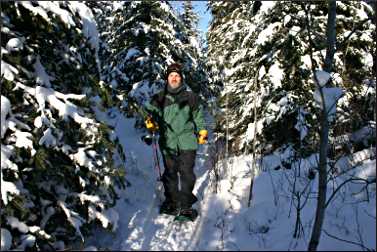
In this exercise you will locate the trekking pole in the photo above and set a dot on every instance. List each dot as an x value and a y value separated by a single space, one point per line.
155 155
156 158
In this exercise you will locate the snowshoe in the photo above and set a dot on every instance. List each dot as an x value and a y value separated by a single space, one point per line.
168 208
187 215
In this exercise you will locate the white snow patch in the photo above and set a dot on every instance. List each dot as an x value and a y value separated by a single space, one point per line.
323 77
35 10
331 96
5 111
368 171
91 198
337 78
82 159
286 20
15 44
16 224
90 248
7 187
88 23
367 60
253 129
6 152
65 108
276 74
108 217
39 231
23 139
294 30
300 125
306 61
262 72
42 78
28 241
82 182
361 14
165 7
48 139
38 122
8 71
131 53
6 239
74 218
117 5
54 7
267 33
266 6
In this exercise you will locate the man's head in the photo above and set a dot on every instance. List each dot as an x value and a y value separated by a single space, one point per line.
174 75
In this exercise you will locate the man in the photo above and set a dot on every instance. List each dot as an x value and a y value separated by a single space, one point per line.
179 117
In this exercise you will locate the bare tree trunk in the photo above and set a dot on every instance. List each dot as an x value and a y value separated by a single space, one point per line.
324 134
331 36
298 218
254 166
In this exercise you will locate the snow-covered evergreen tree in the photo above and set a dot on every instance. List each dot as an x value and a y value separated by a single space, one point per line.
267 69
102 11
269 93
57 169
143 40
144 37
223 42
190 19
107 15
218 43
195 67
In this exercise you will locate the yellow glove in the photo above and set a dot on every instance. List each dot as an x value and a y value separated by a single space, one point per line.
150 124
203 137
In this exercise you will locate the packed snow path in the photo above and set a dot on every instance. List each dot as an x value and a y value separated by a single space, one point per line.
225 222
140 225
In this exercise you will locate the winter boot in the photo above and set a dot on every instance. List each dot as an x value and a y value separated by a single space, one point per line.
168 208
189 214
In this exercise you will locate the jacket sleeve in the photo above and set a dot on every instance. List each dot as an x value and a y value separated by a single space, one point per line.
152 106
198 115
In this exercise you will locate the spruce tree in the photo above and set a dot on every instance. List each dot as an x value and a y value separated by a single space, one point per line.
58 174
147 36
221 45
195 66
190 19
268 63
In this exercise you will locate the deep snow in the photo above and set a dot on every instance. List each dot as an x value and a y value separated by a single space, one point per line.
225 222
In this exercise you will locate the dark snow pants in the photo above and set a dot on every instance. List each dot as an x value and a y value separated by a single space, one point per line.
179 178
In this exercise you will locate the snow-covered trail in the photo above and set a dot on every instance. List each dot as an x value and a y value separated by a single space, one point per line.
140 225
225 221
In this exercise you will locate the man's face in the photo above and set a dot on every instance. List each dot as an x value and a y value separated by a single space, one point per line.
174 80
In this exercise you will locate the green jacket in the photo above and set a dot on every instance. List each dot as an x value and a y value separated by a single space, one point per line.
179 117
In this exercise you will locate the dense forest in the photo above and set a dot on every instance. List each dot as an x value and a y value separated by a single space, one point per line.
285 83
